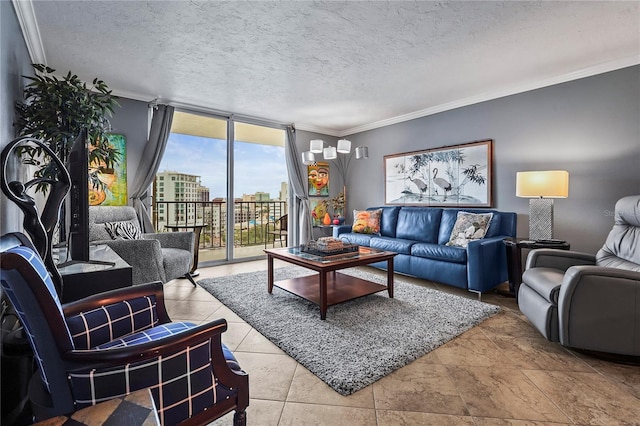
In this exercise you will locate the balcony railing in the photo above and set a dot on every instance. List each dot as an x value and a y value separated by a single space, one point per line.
249 224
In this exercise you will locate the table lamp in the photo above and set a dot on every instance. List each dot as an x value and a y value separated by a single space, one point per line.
542 187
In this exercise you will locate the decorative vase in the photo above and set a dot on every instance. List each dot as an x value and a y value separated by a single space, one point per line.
327 219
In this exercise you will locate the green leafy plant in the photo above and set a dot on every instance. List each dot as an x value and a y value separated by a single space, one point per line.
337 203
55 110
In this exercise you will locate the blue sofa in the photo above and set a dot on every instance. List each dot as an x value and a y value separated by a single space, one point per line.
419 236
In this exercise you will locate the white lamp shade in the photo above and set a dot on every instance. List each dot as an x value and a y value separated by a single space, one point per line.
344 146
545 184
316 145
362 152
308 158
330 153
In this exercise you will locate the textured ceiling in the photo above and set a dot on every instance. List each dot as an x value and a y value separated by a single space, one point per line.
333 67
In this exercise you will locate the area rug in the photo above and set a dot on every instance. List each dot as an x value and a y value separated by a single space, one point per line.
362 340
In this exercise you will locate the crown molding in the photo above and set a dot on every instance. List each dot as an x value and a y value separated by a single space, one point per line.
30 31
487 96
320 130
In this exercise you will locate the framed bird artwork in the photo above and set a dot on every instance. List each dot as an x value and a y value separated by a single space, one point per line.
457 175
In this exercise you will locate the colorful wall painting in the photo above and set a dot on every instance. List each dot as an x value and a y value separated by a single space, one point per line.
318 174
108 186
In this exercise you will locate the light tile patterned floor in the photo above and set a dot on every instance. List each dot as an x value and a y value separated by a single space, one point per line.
499 373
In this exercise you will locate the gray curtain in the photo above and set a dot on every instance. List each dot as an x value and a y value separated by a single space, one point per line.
150 161
300 210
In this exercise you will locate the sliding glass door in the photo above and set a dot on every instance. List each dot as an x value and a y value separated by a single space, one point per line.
226 180
260 188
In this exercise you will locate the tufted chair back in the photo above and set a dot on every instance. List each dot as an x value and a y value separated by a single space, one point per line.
622 247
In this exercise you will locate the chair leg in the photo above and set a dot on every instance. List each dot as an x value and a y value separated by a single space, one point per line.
240 418
190 278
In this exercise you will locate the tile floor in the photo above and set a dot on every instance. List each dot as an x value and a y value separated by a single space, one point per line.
501 372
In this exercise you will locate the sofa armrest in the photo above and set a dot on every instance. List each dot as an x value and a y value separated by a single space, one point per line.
486 263
558 259
341 229
144 257
178 240
599 309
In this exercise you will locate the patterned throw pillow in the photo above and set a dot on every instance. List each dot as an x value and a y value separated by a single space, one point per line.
366 221
469 227
124 230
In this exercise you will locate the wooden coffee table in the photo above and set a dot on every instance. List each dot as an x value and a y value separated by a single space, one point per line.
329 287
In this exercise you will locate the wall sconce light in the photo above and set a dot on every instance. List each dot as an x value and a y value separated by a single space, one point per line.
542 187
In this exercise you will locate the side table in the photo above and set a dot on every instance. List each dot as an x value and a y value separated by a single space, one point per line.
197 229
105 271
514 248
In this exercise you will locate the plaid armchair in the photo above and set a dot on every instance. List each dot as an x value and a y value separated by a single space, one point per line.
115 343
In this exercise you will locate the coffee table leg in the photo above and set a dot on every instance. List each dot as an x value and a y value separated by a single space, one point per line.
323 295
390 277
269 273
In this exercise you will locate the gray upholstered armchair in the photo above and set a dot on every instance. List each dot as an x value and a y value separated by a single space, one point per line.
153 257
589 302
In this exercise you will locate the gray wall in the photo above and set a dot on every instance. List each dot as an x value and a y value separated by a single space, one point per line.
14 62
590 127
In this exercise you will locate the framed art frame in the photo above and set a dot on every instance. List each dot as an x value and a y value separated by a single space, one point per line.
457 175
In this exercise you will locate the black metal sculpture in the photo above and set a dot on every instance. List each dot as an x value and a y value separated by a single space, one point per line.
39 227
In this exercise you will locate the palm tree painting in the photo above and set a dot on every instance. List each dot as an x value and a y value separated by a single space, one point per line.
457 175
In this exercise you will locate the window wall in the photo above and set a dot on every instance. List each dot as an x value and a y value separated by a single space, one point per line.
224 178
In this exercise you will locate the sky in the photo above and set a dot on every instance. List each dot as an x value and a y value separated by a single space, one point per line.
258 168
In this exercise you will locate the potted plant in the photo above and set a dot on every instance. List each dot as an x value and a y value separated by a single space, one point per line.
55 110
337 203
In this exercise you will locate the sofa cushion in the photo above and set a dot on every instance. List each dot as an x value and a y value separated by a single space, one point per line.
389 220
359 239
469 227
392 244
420 224
450 216
494 226
439 252
366 221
